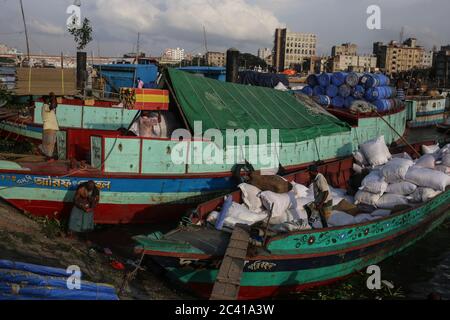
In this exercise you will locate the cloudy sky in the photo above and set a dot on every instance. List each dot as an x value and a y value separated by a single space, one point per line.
244 24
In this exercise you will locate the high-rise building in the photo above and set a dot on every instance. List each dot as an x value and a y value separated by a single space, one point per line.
263 53
427 61
291 48
174 54
395 57
347 49
441 65
215 59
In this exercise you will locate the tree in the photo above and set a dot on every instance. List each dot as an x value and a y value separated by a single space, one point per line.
82 35
250 61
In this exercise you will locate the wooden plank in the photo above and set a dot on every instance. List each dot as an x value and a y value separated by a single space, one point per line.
227 284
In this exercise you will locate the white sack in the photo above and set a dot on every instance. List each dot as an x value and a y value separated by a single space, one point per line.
381 213
376 152
446 159
360 159
423 195
300 190
238 214
443 169
428 178
396 169
367 198
430 149
281 203
403 188
390 201
362 218
403 155
250 197
426 161
374 183
339 218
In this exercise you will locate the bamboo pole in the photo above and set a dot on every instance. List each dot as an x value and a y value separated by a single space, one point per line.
396 132
62 73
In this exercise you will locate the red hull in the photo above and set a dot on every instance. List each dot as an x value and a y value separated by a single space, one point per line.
108 213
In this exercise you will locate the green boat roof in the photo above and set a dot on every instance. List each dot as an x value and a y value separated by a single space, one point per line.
223 105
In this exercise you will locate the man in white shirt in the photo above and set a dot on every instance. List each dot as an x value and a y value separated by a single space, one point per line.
323 201
50 126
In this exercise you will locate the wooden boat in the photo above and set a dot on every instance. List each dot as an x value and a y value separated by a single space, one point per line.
79 119
137 178
293 261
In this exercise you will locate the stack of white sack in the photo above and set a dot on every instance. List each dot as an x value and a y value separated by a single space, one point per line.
238 214
401 181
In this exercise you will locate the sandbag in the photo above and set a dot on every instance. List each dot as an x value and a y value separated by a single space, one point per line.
250 197
426 161
404 155
381 213
403 188
300 190
280 202
357 168
446 159
430 149
360 159
339 219
390 201
363 218
367 198
290 226
396 169
374 183
339 194
238 214
428 178
423 195
443 169
376 152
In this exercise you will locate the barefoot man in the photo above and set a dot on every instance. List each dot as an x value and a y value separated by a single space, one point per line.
82 215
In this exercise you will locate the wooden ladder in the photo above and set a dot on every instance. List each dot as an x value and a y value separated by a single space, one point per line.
228 281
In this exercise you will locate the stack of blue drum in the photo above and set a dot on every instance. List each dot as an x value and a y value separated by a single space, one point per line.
341 89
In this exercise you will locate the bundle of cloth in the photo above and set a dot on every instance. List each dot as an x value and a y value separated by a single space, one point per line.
396 182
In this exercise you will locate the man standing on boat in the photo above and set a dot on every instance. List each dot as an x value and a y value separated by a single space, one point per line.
50 126
82 216
322 206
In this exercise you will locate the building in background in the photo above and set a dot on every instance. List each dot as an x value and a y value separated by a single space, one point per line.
215 59
395 57
291 48
441 66
346 49
263 53
356 63
316 65
173 55
427 61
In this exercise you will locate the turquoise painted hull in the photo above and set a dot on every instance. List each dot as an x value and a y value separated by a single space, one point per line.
301 260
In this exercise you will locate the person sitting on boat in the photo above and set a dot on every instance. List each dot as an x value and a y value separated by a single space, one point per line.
322 206
82 216
50 126
147 126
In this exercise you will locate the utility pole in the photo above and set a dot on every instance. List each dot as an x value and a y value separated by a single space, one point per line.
204 36
26 30
138 48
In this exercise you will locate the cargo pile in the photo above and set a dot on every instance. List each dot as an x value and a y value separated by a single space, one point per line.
396 180
351 90
390 183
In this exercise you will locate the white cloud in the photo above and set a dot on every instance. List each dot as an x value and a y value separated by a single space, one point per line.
227 19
